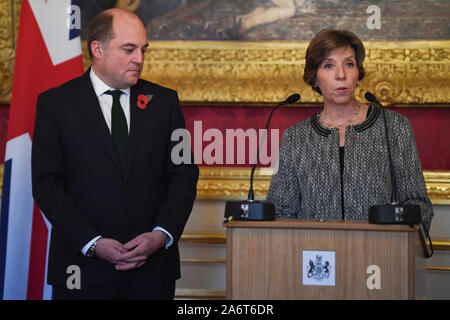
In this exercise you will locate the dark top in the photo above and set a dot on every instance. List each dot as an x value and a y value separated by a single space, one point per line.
341 163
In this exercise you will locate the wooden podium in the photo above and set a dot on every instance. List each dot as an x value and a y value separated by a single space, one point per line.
265 260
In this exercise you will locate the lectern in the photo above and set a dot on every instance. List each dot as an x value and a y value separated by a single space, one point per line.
305 259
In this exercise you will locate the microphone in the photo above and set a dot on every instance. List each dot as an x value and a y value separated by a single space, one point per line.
291 99
393 212
251 209
394 195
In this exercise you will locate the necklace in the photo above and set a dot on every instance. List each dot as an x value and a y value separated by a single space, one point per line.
349 120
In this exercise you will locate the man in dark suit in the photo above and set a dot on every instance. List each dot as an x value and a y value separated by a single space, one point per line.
103 175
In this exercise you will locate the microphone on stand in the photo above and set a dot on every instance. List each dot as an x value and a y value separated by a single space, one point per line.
394 195
393 212
250 209
291 99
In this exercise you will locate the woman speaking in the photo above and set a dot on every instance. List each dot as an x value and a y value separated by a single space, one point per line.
335 165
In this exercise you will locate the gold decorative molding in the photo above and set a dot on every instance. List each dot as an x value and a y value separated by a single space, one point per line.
204 237
232 183
440 244
204 294
401 73
227 183
9 22
433 268
438 186
203 260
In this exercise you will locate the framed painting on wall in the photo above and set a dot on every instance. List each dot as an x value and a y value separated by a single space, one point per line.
252 52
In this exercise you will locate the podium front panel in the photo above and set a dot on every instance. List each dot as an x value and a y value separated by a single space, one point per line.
267 261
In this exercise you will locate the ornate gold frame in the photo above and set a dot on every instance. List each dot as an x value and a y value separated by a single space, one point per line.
401 73
225 183
9 22
220 183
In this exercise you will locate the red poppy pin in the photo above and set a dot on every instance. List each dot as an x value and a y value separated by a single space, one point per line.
143 100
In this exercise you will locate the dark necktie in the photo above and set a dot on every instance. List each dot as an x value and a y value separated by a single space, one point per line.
119 127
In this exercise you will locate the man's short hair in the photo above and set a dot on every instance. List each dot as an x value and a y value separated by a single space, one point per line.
100 29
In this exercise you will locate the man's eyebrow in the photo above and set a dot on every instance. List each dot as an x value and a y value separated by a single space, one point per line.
129 44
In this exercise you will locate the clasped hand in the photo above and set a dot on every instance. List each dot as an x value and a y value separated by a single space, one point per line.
132 254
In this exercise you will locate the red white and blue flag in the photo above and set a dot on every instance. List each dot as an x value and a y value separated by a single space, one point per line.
48 54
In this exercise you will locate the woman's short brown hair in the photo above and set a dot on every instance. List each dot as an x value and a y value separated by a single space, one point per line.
320 47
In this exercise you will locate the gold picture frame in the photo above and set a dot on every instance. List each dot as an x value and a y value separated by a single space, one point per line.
400 73
232 183
225 183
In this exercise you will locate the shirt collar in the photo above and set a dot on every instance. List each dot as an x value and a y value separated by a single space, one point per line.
100 87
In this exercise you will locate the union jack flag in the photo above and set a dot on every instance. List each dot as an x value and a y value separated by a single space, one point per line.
48 53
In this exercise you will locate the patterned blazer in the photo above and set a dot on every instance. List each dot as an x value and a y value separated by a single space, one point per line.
307 182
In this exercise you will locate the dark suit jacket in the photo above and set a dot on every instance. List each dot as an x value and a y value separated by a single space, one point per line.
81 189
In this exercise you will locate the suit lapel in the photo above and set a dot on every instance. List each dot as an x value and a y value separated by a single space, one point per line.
137 116
91 108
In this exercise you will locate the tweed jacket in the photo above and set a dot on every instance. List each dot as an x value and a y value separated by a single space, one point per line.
307 181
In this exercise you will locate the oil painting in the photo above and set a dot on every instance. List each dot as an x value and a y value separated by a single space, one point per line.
285 20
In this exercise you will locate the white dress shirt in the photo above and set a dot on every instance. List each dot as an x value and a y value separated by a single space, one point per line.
106 101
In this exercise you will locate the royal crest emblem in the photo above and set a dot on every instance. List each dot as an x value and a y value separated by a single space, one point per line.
318 270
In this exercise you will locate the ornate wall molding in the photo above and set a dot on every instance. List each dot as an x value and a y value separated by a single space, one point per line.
401 73
225 183
228 183
9 22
